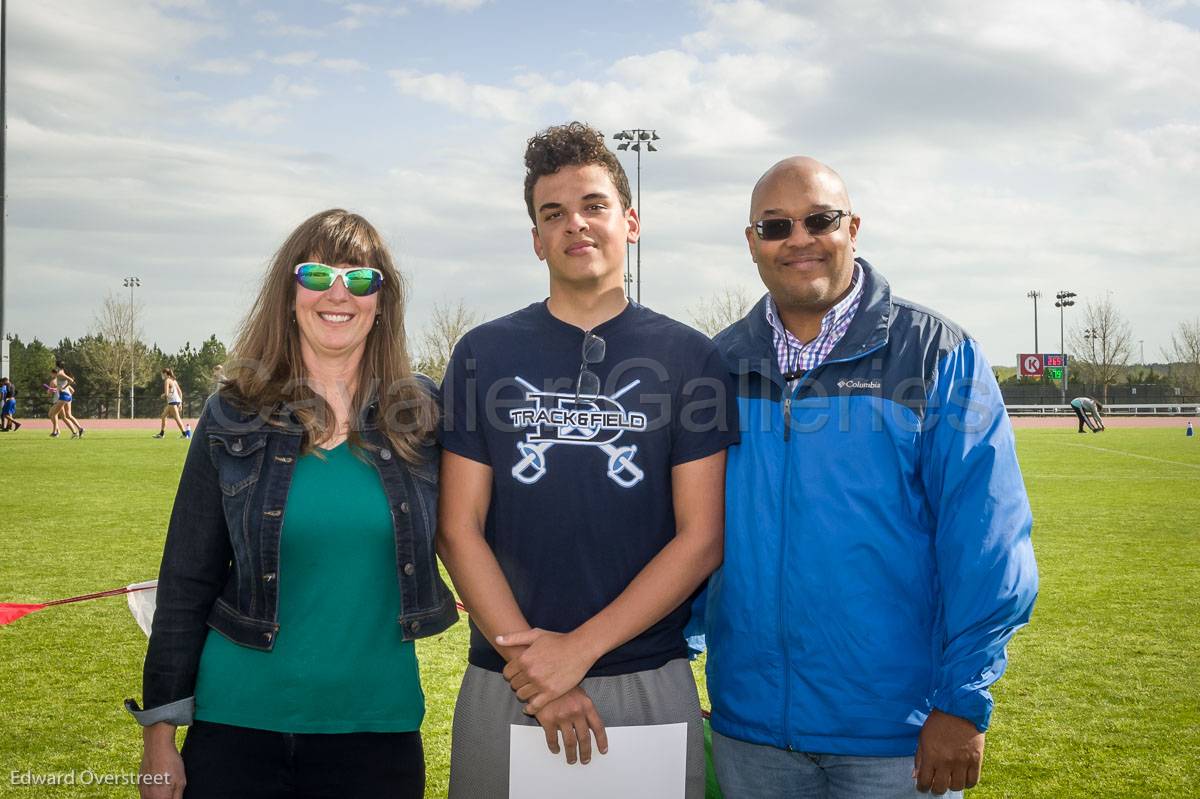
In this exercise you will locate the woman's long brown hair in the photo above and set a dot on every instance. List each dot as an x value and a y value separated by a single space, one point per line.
266 369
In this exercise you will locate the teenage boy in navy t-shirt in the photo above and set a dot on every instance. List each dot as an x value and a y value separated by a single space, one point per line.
582 488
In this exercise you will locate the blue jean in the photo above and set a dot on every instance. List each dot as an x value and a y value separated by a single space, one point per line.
755 771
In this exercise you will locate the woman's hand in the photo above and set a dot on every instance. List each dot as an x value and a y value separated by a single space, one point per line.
161 773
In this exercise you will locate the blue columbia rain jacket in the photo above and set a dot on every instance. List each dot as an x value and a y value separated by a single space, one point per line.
877 550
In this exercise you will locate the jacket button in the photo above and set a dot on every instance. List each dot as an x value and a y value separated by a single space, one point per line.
269 576
404 507
386 454
237 445
410 569
414 626
268 636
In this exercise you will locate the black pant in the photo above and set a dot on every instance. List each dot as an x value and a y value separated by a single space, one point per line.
225 762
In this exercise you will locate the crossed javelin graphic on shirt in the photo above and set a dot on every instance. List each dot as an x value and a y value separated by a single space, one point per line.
621 467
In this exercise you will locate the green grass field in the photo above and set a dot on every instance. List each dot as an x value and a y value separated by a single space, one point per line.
1100 698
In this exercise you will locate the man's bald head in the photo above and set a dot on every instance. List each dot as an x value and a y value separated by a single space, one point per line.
806 272
805 174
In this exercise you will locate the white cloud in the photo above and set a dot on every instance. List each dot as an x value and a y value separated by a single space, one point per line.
456 5
294 59
224 66
359 15
303 58
266 112
343 64
259 113
997 144
57 44
453 91
992 148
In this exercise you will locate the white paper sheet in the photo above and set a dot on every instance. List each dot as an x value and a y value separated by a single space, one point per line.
645 762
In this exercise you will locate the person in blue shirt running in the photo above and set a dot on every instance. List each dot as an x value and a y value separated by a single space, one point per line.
8 406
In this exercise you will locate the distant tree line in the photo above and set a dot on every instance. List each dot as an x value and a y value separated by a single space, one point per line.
102 376
104 361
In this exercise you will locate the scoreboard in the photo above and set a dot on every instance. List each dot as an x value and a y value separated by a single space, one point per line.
1048 365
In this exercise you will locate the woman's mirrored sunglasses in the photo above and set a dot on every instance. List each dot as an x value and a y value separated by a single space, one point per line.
817 224
360 281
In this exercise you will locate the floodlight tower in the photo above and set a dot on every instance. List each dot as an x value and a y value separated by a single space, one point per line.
633 139
1062 301
131 283
3 170
1034 295
1090 335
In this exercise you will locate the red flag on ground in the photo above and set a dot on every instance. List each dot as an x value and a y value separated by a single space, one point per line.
11 611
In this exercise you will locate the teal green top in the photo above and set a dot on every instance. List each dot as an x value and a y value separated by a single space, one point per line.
339 663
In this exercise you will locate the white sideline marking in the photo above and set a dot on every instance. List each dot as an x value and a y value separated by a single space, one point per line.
1133 455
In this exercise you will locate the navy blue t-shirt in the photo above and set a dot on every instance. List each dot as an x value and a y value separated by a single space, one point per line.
581 493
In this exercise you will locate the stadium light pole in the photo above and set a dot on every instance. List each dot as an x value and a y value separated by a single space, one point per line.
131 283
1090 335
634 139
1034 295
3 169
1063 301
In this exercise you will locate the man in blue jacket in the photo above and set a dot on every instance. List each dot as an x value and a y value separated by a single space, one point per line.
877 555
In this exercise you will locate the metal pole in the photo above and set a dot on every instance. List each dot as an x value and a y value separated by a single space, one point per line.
131 349
3 150
628 272
1035 330
131 283
639 241
1062 348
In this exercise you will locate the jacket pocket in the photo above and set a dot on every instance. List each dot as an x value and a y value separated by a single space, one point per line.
238 460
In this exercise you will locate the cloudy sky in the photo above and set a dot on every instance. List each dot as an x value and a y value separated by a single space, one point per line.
991 148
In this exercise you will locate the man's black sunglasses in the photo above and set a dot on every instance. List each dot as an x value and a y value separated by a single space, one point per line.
588 383
818 224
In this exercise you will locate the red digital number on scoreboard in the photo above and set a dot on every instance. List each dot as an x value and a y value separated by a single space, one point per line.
1052 360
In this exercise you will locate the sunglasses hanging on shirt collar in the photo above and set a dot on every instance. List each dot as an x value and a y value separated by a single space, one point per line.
588 384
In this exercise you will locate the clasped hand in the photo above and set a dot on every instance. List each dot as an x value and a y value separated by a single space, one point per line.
547 676
551 665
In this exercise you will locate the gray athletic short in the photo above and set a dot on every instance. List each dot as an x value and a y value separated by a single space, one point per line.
486 708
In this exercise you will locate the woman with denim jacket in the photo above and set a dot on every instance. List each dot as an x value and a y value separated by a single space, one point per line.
299 564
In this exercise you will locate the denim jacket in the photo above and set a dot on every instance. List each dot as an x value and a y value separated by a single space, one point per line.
220 565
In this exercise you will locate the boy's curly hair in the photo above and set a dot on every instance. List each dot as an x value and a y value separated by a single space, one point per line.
574 144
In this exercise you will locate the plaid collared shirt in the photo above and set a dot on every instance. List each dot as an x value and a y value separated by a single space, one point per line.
796 356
